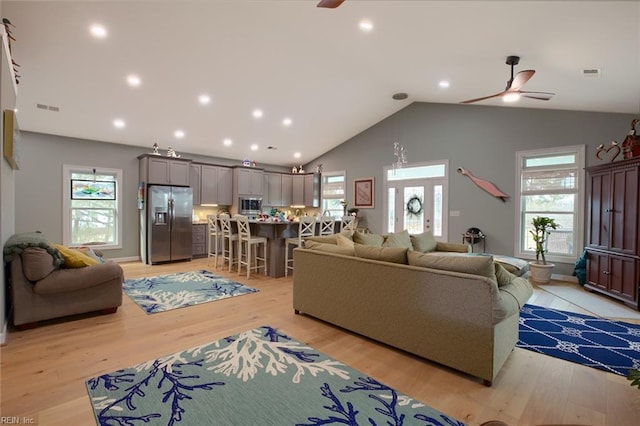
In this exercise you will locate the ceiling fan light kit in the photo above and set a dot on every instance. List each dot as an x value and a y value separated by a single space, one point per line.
512 92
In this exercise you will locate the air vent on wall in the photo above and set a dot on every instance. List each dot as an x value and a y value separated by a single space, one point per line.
48 107
591 72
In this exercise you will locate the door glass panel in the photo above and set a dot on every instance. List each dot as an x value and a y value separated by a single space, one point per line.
437 211
391 203
414 209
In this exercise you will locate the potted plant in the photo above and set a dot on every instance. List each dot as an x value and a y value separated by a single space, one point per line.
353 211
541 271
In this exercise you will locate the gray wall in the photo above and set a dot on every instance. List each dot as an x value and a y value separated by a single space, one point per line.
483 140
38 201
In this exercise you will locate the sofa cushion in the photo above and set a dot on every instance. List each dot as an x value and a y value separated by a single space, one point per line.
503 276
476 265
453 247
75 258
37 263
344 241
329 248
424 242
385 254
69 280
398 239
375 240
325 239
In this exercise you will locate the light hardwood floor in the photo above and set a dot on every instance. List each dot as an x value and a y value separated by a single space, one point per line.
43 370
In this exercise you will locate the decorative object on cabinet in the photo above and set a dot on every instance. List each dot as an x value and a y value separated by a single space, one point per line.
613 241
319 168
294 169
542 227
631 144
400 154
155 149
614 148
172 153
11 139
363 193
484 185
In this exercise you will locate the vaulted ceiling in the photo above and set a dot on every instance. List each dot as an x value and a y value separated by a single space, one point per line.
315 66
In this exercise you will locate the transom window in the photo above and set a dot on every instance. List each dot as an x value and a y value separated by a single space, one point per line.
551 184
92 206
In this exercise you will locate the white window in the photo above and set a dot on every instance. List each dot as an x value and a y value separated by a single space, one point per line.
551 184
92 207
333 192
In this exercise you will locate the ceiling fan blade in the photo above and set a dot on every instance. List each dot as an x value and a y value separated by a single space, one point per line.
470 101
521 78
543 96
330 4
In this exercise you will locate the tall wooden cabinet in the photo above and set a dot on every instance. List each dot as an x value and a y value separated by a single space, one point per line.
613 231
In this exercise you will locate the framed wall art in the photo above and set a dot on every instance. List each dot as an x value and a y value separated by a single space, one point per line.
363 191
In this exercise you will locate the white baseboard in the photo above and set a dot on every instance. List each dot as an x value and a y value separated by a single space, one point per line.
126 259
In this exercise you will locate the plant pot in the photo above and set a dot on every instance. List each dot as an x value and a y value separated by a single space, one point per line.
540 273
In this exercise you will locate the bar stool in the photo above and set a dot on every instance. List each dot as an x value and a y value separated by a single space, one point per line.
306 228
228 239
349 223
327 225
248 244
213 241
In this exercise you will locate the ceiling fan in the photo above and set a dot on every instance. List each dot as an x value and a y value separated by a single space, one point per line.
331 4
512 92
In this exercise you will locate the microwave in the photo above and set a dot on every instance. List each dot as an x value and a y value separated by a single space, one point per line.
250 206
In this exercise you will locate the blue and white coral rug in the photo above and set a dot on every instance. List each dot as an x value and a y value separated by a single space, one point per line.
612 346
172 291
259 377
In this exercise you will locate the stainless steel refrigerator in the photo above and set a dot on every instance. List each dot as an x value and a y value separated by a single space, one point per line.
169 224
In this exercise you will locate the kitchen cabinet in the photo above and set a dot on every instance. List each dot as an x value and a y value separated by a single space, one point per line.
216 185
613 255
306 190
195 176
248 181
272 195
199 240
298 190
287 190
158 170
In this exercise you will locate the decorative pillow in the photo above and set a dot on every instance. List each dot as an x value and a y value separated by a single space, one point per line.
344 241
375 240
503 276
385 254
37 263
74 258
476 265
398 239
329 248
424 242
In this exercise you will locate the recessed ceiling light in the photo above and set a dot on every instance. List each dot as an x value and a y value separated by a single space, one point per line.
366 26
227 142
179 134
98 31
257 113
133 80
254 147
444 84
511 97
119 123
297 155
287 122
204 99
400 96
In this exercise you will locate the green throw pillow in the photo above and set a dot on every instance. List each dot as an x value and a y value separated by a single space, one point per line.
424 242
398 239
385 254
368 239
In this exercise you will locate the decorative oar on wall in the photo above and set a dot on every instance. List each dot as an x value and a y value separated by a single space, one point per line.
485 185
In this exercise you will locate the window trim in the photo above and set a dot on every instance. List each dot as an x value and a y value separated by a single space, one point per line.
67 169
579 151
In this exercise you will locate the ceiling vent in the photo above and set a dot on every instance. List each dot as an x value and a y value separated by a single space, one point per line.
591 72
48 107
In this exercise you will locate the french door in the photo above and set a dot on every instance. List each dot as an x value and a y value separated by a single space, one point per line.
417 205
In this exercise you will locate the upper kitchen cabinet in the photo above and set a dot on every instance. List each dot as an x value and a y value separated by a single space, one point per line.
248 181
216 185
272 195
195 176
158 170
306 190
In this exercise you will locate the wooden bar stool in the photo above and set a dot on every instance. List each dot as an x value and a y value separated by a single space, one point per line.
327 225
248 247
306 228
213 240
229 238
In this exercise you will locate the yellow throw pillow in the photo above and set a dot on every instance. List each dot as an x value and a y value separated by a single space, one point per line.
74 258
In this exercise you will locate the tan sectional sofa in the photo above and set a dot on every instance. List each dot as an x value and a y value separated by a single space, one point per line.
453 310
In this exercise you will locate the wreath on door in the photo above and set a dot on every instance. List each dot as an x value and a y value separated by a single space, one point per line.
414 206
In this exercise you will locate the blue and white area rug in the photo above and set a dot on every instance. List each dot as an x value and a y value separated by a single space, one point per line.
172 291
259 377
612 346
